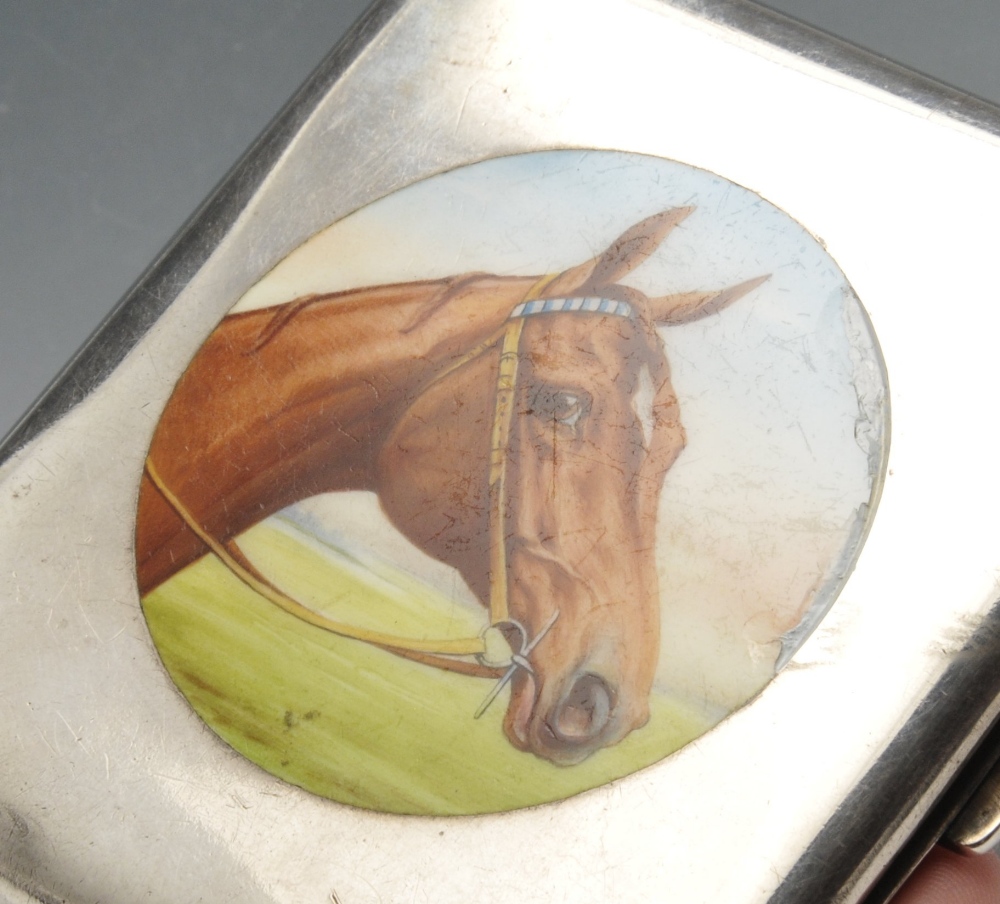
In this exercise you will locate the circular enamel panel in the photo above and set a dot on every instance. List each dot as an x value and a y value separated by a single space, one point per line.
511 483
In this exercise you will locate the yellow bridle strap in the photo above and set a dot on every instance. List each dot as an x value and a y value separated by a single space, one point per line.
451 646
502 416
429 652
503 413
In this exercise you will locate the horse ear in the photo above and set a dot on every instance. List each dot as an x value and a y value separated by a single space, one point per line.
634 245
622 256
687 307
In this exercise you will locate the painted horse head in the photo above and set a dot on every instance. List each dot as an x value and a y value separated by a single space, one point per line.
594 428
394 389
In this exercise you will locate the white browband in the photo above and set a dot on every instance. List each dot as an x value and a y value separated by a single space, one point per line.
592 305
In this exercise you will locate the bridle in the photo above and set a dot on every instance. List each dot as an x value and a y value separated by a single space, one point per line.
490 654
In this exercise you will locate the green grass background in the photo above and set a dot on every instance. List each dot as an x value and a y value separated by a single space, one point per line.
349 721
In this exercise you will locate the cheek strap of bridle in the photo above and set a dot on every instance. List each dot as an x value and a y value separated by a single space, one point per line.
503 414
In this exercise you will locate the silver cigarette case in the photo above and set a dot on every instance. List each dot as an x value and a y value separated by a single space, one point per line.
556 465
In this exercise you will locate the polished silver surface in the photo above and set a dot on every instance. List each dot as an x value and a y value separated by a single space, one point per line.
114 791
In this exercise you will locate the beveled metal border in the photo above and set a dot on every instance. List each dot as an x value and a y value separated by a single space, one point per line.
839 55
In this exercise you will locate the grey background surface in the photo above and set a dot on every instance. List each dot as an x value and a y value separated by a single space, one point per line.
117 118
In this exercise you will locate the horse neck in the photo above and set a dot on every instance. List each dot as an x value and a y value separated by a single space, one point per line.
284 403
361 358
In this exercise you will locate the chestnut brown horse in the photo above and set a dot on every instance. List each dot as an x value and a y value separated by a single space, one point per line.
377 389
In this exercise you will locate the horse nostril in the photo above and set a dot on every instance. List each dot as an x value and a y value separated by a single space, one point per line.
584 712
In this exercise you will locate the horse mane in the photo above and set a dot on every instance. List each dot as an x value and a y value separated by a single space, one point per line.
285 313
453 286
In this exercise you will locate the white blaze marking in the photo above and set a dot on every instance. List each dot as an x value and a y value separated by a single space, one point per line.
642 404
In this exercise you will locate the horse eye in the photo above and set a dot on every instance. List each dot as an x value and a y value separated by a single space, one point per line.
560 405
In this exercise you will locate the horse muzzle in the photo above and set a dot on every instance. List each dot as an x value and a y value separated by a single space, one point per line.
582 719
